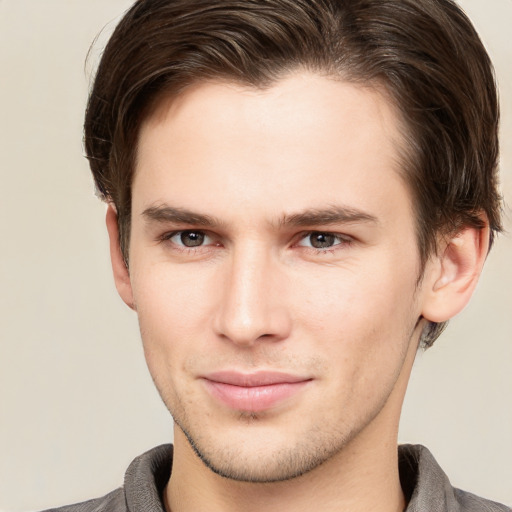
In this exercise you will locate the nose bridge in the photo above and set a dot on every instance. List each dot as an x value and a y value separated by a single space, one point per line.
250 308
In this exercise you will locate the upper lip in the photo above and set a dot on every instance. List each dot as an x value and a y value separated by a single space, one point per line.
261 378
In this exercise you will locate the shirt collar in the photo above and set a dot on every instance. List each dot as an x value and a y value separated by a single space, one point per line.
425 485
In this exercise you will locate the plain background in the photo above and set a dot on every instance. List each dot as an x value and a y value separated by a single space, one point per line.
76 401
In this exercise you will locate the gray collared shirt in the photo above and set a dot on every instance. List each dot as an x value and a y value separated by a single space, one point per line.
425 485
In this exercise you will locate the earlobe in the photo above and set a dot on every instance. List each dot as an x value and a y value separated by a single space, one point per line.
454 273
121 273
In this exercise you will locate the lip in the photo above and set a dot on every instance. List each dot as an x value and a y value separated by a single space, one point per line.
254 392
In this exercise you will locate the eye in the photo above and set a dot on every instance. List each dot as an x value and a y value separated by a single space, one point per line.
189 238
321 240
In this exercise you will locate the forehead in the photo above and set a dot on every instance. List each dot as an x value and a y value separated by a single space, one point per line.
305 141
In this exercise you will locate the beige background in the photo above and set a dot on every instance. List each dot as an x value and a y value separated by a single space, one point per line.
76 401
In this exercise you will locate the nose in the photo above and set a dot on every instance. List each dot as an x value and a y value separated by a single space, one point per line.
252 305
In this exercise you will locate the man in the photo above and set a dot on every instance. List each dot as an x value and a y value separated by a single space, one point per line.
300 193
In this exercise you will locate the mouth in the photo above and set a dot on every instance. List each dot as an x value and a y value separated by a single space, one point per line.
253 392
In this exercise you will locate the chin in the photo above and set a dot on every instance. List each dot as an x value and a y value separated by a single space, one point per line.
264 460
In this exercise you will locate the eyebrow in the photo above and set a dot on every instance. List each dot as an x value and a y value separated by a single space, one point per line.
309 217
165 213
330 215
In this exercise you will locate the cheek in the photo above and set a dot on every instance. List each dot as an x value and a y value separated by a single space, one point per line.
167 295
345 298
363 320
173 308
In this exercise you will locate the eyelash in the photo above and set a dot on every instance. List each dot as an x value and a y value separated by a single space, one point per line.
166 238
343 241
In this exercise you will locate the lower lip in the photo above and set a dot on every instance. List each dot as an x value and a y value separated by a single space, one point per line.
256 398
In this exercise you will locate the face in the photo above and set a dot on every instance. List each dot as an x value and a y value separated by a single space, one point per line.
274 269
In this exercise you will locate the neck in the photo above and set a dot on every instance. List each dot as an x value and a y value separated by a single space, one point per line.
356 479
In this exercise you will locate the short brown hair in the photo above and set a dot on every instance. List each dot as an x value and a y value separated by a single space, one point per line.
424 53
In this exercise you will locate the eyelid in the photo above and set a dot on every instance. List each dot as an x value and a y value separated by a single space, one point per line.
342 239
169 235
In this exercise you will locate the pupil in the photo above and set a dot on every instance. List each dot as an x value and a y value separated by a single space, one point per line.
321 240
192 238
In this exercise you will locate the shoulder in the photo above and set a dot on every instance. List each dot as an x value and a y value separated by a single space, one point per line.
144 481
113 502
471 503
427 488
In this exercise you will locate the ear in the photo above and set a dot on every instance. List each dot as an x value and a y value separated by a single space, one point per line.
121 273
454 273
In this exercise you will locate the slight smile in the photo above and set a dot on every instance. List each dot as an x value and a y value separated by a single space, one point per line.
254 392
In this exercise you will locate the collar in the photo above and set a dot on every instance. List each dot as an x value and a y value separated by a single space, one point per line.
425 485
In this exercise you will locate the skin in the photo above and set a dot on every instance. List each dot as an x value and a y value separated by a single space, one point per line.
249 175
